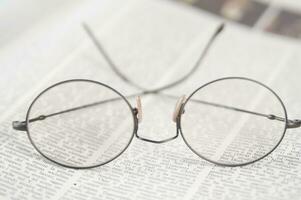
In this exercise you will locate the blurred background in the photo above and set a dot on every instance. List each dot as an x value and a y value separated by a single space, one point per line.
281 17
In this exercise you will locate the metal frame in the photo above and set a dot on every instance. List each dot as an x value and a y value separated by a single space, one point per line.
22 125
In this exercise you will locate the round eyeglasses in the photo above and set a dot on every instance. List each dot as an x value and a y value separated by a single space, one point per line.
231 121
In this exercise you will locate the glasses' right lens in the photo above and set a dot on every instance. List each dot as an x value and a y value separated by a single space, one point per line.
226 121
86 123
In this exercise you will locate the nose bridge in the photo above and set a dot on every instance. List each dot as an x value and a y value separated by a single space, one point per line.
139 120
157 141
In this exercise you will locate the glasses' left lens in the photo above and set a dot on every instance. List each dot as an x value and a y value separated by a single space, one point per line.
233 121
80 123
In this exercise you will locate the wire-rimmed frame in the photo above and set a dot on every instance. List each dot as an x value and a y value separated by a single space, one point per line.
135 123
238 164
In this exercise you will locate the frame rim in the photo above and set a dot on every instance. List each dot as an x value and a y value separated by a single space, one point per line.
243 163
135 123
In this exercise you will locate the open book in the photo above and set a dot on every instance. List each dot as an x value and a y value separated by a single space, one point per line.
148 40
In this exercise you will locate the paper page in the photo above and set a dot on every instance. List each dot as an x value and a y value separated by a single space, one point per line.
164 50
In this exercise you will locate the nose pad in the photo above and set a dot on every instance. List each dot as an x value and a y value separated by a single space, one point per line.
139 108
178 108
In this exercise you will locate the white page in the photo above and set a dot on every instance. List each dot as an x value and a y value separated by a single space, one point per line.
145 170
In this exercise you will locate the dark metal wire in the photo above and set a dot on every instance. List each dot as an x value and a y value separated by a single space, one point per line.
134 114
22 125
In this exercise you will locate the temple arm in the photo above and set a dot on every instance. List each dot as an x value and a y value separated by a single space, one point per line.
21 125
115 68
290 123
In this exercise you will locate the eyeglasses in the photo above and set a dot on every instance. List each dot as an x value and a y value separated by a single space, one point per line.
81 123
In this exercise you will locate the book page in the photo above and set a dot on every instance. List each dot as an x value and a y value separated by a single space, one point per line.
152 43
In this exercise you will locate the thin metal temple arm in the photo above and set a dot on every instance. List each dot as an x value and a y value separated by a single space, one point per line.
21 125
296 123
123 77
